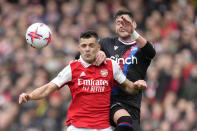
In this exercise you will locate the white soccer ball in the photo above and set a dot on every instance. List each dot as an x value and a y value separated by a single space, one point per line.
38 35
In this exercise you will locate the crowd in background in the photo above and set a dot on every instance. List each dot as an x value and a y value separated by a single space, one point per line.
170 101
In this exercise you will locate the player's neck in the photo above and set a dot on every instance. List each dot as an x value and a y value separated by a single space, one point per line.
89 61
125 40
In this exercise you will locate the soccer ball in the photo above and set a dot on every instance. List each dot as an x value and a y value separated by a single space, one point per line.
38 35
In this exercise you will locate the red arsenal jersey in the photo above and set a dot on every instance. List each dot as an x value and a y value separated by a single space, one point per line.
90 87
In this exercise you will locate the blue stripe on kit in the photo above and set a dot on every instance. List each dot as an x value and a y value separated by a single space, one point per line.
125 67
132 53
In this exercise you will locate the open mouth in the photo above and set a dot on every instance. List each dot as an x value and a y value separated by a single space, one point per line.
122 30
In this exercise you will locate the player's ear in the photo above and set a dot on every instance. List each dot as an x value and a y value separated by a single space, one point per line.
78 47
134 24
99 46
79 44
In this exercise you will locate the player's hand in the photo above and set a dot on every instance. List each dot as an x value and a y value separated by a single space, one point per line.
140 84
128 25
100 58
23 98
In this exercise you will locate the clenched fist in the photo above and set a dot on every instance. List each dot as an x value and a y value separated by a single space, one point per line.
23 98
140 84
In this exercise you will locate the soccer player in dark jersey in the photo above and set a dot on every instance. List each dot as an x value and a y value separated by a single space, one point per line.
90 87
134 54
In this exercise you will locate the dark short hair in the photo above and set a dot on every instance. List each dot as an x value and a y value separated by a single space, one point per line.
123 12
89 34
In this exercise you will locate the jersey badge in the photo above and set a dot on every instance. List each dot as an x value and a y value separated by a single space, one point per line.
104 72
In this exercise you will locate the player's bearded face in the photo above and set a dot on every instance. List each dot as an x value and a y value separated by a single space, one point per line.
88 49
120 31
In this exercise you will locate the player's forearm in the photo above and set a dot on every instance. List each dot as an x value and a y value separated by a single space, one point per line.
131 90
145 45
43 91
140 40
128 87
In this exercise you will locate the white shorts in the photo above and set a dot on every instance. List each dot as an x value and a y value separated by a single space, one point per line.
73 128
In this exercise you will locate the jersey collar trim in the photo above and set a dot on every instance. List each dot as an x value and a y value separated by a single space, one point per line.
85 64
127 42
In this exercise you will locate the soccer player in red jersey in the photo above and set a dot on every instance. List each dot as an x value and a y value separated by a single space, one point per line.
90 87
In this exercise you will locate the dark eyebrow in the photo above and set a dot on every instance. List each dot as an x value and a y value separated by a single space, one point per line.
92 43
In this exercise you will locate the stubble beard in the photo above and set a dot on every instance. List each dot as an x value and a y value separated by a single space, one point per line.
125 37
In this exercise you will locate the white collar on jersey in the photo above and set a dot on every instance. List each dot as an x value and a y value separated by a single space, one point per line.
85 64
127 42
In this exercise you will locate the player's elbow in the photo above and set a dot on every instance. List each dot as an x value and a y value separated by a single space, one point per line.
152 54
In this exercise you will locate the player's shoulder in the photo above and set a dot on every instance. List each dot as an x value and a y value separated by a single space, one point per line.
107 40
75 62
75 65
108 59
113 62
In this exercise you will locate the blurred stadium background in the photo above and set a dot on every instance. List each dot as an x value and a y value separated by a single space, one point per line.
169 103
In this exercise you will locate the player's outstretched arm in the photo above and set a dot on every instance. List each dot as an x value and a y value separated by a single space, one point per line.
38 93
133 88
145 45
130 27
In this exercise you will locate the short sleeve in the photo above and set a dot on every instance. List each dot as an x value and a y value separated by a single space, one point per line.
63 77
117 73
